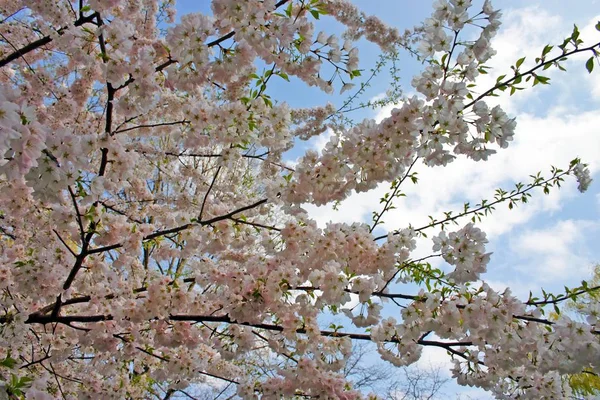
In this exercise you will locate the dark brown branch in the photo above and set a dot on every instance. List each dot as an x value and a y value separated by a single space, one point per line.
377 294
62 393
168 394
78 213
529 72
110 90
392 196
231 214
562 298
189 396
8 234
516 193
181 227
152 354
86 239
34 362
45 319
41 42
212 183
221 39
57 305
213 155
160 233
11 15
78 261
42 318
256 224
533 319
64 243
413 262
171 61
151 126
120 212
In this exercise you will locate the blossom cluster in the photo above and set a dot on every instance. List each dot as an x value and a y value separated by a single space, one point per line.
433 129
464 249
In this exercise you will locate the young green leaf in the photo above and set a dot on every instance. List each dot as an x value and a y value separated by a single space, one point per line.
589 65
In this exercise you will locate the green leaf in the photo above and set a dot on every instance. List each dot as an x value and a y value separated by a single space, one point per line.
575 34
315 13
589 65
86 8
17 385
541 79
322 8
520 62
267 101
444 57
284 76
8 362
546 50
598 26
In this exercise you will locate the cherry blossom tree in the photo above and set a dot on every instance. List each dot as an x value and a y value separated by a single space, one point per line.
415 382
153 236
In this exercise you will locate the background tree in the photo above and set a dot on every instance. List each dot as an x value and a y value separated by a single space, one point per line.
406 383
586 383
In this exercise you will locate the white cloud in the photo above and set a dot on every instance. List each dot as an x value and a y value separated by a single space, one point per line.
318 142
558 252
518 286
435 357
524 33
540 143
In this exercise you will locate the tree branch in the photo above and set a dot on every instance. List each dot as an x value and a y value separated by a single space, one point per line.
41 42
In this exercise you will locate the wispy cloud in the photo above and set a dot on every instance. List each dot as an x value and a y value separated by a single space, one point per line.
557 252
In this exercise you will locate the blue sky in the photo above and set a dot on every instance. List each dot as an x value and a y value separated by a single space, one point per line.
552 241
